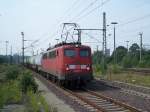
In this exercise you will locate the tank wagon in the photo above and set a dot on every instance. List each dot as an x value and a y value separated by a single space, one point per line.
67 63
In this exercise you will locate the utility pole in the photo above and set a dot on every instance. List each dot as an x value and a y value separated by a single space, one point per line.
0 48
104 40
11 58
141 44
18 56
97 47
115 60
6 51
127 45
6 47
37 52
22 33
104 34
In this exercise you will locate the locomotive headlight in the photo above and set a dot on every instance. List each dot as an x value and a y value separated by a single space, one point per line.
67 67
88 67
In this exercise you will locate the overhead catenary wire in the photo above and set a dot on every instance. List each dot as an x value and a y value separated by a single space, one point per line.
55 33
134 30
91 11
75 2
69 11
83 10
92 37
66 12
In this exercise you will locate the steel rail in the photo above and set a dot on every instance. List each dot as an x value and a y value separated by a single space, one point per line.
132 109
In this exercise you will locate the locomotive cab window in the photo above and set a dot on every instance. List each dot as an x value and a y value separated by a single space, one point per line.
69 52
45 56
84 53
52 54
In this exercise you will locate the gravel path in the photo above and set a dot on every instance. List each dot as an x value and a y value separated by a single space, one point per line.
52 99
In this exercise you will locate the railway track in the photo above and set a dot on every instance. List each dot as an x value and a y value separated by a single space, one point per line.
92 101
144 71
127 88
96 102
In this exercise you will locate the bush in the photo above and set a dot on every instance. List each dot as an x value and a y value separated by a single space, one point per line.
12 72
142 64
126 62
10 93
97 68
28 83
115 69
100 69
103 68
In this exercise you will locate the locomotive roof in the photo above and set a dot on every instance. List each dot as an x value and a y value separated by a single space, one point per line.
62 46
66 45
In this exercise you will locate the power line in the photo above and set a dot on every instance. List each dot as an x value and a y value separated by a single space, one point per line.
86 14
91 37
134 30
55 33
69 10
83 10
91 4
71 7
135 20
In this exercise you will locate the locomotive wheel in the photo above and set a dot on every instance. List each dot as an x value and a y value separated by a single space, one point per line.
59 82
53 79
65 84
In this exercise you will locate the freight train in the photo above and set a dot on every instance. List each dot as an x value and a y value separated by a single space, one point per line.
67 63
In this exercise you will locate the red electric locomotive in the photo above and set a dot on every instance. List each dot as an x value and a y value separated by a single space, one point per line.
68 62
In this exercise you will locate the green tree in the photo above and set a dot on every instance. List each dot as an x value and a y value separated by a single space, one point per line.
126 62
134 50
121 52
97 57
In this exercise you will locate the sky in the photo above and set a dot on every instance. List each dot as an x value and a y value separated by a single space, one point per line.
41 21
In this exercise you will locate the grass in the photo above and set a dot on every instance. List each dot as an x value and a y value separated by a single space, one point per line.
138 79
132 78
36 103
129 77
10 93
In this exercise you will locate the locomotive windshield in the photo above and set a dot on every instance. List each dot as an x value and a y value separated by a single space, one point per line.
84 53
70 53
